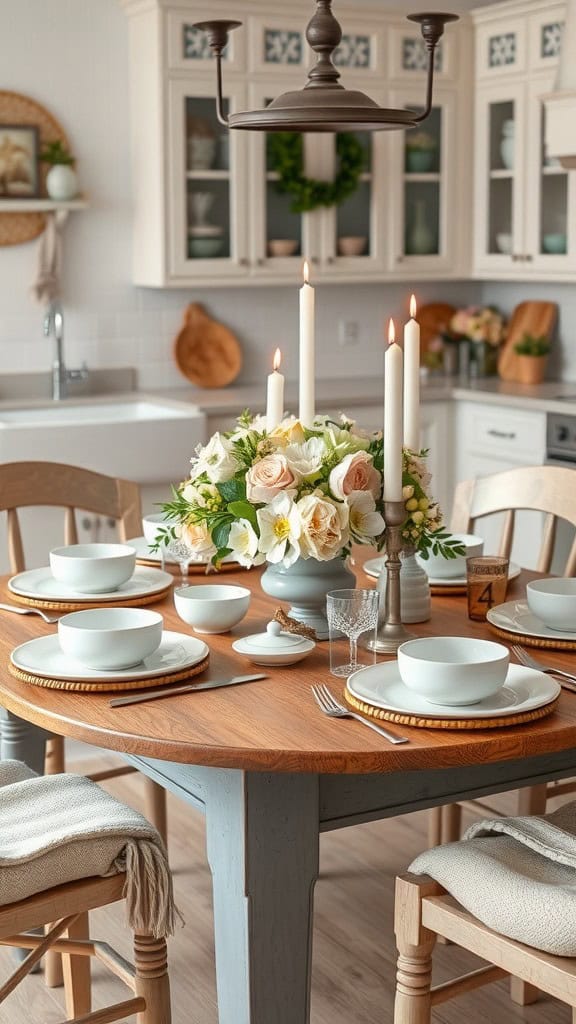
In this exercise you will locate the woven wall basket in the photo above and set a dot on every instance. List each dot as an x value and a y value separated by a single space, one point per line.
15 108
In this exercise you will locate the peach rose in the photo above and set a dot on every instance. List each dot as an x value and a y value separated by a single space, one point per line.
266 478
355 473
199 539
324 527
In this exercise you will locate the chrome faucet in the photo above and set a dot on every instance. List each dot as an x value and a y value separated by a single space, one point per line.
54 324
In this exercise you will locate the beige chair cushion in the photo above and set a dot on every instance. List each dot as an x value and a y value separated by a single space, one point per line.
517 876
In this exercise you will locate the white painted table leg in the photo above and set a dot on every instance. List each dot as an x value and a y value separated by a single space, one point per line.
262 842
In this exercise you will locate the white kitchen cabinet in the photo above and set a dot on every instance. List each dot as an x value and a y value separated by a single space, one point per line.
491 439
209 219
525 209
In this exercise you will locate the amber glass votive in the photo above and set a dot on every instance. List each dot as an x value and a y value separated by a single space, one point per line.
486 583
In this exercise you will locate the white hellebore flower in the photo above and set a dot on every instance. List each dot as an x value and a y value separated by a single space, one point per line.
365 522
216 459
324 527
280 530
306 459
243 540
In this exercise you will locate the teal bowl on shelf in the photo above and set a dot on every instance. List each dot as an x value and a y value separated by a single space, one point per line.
419 161
205 248
554 243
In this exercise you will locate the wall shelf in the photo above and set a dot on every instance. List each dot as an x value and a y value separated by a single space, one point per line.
41 205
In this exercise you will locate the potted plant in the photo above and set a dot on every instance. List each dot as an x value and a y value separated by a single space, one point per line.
421 150
532 351
61 180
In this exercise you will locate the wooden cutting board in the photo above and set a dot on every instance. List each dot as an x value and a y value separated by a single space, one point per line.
206 352
535 318
433 318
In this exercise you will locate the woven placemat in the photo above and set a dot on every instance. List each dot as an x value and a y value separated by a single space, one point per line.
16 108
193 569
107 685
80 606
533 641
449 723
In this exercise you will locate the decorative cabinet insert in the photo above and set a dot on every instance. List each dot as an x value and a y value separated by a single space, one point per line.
525 203
207 207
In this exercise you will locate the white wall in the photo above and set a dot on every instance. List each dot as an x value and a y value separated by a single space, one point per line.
71 55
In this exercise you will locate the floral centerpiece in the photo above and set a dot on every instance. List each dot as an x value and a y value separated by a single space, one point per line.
296 493
483 328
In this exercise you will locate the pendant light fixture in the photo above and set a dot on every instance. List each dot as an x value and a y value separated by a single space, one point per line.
323 105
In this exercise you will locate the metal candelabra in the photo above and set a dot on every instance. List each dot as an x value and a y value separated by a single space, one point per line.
390 632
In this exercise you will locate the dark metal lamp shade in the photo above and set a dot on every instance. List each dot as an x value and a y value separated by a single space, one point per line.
323 105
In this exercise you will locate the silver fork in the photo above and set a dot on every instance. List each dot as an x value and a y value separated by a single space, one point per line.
529 662
331 707
29 611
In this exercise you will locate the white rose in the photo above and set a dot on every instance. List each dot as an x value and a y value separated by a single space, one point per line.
324 527
355 473
280 529
216 459
243 540
306 459
268 477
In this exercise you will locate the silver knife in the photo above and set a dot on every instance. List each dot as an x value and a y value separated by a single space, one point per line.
169 691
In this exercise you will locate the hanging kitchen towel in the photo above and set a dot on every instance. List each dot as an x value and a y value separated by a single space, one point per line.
516 875
59 828
46 287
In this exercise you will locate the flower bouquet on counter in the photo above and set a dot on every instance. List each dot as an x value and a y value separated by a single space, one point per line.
295 492
483 329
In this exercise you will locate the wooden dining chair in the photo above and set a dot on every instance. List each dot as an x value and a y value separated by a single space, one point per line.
28 484
546 489
424 913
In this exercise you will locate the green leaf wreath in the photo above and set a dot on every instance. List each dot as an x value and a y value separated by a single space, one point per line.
286 151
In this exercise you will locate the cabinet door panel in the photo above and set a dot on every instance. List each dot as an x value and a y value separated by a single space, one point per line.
206 202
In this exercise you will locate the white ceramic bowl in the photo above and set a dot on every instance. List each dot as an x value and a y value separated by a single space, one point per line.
351 245
212 608
151 525
93 568
110 639
453 670
554 603
439 568
504 243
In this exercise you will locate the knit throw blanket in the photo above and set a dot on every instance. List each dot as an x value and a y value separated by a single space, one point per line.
516 875
60 828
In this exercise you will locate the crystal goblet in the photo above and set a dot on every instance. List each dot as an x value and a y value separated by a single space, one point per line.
352 613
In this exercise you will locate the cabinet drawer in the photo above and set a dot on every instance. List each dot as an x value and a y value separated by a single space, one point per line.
513 434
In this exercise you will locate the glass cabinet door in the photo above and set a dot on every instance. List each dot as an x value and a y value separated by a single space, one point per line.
281 238
550 217
206 182
500 155
427 171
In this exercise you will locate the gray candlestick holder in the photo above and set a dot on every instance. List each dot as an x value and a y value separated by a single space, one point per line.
390 631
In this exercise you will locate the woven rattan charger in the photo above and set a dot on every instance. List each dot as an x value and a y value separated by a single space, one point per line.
80 606
551 644
104 685
448 723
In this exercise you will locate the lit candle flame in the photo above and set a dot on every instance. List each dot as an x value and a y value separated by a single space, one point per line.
306 272
277 359
413 307
391 332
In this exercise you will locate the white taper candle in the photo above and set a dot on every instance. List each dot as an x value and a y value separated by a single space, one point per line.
275 395
412 380
393 365
307 357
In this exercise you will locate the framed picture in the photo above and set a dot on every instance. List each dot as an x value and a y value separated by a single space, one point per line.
19 161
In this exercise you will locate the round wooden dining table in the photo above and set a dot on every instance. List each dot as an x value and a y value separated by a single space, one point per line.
271 773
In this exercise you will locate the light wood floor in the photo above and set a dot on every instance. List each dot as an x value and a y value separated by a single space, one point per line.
354 953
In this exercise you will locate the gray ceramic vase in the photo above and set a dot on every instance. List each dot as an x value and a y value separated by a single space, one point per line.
304 586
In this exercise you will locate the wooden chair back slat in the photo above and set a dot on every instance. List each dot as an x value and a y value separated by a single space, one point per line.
547 489
26 484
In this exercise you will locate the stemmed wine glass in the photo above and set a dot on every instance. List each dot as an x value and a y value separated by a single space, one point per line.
182 553
351 612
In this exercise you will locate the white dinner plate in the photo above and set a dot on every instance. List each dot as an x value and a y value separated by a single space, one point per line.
144 551
373 566
44 657
40 584
524 690
516 617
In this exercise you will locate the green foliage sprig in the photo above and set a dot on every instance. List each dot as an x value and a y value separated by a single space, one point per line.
532 345
287 155
56 152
